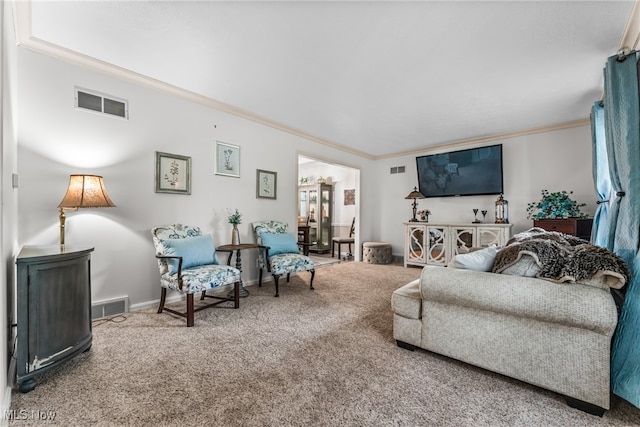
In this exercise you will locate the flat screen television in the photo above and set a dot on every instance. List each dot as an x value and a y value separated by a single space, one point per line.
475 171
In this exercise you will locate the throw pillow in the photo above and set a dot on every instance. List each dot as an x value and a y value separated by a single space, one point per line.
195 251
480 260
280 243
525 266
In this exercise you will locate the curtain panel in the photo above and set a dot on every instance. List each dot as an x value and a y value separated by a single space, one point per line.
622 125
601 179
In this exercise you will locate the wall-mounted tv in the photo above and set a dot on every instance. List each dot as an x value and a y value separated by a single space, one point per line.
475 171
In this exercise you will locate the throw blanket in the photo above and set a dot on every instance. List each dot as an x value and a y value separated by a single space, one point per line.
561 258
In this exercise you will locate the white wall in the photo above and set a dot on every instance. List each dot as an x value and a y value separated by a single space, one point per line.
56 140
9 213
556 161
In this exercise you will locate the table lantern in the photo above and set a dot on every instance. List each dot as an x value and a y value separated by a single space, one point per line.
502 211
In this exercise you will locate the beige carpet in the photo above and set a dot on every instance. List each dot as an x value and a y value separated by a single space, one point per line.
309 358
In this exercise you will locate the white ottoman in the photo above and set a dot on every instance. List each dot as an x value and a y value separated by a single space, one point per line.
377 253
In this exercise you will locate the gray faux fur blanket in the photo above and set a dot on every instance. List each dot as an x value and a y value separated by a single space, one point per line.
562 258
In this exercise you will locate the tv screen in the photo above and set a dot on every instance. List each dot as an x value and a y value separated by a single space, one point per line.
475 171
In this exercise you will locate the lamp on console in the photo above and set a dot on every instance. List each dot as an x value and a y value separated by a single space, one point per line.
415 194
85 191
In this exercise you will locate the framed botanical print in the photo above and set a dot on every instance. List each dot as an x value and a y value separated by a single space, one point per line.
173 173
266 184
227 161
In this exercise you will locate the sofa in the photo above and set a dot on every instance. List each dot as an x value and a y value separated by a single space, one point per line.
555 334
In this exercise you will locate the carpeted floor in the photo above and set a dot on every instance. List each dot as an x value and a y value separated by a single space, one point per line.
308 358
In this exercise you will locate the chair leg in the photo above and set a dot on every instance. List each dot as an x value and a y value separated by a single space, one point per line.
203 295
260 279
236 295
190 310
163 297
333 249
313 273
275 280
288 277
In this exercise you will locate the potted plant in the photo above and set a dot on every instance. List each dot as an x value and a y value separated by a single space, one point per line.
558 205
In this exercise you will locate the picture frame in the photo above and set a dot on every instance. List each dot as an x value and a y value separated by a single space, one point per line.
173 173
266 184
227 159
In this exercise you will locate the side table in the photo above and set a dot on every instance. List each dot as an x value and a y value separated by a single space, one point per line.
238 248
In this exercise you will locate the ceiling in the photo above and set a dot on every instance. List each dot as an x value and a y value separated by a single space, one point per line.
377 78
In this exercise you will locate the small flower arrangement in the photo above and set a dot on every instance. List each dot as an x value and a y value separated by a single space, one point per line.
235 218
555 205
423 215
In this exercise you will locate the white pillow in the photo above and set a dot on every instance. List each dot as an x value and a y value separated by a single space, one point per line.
480 260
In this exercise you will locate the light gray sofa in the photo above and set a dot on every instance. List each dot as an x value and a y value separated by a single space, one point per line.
553 335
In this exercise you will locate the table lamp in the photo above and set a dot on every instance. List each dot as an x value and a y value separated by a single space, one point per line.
85 191
415 194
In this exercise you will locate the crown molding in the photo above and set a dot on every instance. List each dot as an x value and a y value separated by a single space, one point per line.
631 35
491 138
25 39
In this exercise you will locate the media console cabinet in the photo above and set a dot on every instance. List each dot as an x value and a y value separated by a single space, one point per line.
435 244
53 310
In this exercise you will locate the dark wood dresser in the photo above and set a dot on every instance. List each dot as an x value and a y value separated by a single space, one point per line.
54 308
579 227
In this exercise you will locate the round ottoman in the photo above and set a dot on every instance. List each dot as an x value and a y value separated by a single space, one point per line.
377 253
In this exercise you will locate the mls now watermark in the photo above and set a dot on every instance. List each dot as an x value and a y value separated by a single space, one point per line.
23 414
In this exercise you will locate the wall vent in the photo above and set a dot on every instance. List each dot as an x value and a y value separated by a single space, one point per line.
101 103
110 307
397 169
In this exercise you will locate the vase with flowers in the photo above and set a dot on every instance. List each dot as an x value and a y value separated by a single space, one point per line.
423 215
235 218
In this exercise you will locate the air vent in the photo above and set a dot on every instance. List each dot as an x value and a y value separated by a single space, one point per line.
101 103
110 307
397 169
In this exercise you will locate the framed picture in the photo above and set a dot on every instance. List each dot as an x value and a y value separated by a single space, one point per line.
227 159
266 184
173 173
350 197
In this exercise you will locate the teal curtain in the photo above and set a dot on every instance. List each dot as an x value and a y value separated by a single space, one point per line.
601 179
622 127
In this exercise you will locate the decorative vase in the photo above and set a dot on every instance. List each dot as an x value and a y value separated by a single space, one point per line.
235 235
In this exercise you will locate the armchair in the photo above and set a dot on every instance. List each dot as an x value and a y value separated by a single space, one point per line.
188 263
278 252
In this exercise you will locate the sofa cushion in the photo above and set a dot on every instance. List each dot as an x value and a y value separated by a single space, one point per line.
407 301
480 260
542 300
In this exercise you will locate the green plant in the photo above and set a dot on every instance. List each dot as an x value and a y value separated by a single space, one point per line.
555 205
234 217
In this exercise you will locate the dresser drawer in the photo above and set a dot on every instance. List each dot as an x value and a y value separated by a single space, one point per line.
579 227
560 225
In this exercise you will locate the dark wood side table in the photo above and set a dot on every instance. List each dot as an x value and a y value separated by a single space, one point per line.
238 249
54 308
579 227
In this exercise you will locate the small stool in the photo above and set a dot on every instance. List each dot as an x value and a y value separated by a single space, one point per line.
377 253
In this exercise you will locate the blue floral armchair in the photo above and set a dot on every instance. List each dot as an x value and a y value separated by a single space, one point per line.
279 253
189 264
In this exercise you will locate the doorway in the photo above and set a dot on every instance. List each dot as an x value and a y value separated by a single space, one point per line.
329 218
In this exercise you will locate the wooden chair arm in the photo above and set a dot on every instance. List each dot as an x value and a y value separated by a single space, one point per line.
179 258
